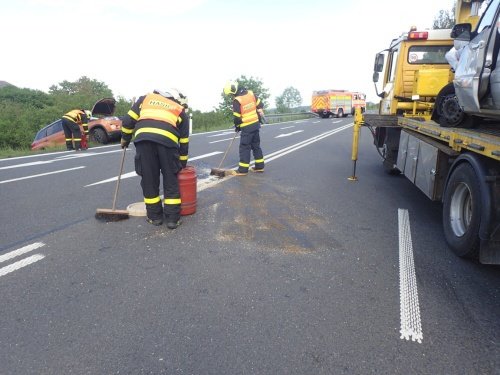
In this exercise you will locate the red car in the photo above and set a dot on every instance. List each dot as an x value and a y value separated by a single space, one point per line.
101 129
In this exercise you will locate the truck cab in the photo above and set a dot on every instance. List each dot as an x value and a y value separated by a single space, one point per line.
415 71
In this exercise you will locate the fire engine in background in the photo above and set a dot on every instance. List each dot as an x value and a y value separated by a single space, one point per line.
457 166
338 103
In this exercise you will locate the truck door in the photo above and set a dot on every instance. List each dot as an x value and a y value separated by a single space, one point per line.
476 60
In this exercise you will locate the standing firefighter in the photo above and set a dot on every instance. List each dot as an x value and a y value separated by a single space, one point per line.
71 122
160 127
246 112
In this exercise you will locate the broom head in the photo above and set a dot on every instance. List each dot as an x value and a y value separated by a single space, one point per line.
108 215
218 172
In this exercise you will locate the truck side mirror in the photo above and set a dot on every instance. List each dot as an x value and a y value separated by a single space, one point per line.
461 31
375 77
379 63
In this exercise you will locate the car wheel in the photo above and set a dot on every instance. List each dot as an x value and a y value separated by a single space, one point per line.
99 135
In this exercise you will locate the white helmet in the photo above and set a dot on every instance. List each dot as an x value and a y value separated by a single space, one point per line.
170 93
88 114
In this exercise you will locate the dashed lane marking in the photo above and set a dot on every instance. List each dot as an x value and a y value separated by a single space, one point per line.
23 262
21 251
40 175
20 264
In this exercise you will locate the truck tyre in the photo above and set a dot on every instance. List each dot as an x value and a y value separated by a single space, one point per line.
462 211
340 113
99 135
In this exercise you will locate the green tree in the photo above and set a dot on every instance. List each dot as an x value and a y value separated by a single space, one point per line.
445 19
250 83
80 94
290 99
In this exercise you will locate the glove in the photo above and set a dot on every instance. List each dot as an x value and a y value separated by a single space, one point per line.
124 143
237 129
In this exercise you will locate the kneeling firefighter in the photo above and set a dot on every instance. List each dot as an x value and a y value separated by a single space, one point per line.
71 122
160 127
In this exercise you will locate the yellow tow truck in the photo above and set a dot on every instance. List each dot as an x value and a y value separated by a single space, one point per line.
456 165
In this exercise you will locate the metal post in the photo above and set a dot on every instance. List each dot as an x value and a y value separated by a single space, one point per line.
190 123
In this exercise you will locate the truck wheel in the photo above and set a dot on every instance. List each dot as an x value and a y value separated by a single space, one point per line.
99 135
462 211
340 113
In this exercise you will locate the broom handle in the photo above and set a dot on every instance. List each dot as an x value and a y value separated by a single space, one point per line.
224 157
119 177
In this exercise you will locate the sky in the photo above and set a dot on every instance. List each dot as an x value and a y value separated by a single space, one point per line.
196 46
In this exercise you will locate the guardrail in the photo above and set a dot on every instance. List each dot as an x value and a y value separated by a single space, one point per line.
283 117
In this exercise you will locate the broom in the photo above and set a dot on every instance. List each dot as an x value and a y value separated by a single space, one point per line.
105 214
218 171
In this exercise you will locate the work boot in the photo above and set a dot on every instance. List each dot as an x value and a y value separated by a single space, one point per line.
253 169
173 224
155 222
238 173
173 221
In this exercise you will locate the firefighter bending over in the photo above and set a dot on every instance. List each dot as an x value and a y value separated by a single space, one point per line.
71 122
247 111
160 127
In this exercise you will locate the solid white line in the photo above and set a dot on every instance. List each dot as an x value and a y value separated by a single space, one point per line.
52 153
21 251
40 175
411 326
223 140
133 174
20 264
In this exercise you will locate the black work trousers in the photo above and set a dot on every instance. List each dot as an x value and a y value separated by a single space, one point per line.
152 158
250 142
72 133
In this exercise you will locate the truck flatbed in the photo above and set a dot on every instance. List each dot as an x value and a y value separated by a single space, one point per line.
484 140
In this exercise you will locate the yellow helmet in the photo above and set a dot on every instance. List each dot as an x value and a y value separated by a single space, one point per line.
231 88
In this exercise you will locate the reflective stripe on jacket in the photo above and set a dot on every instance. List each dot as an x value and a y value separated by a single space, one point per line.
75 115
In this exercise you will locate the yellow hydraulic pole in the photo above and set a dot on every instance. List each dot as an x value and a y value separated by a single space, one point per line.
358 123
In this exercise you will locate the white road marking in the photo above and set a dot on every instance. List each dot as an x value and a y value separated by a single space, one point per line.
20 264
133 174
218 135
223 140
298 122
297 146
41 174
411 326
27 164
289 134
315 122
336 122
85 154
287 127
21 251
